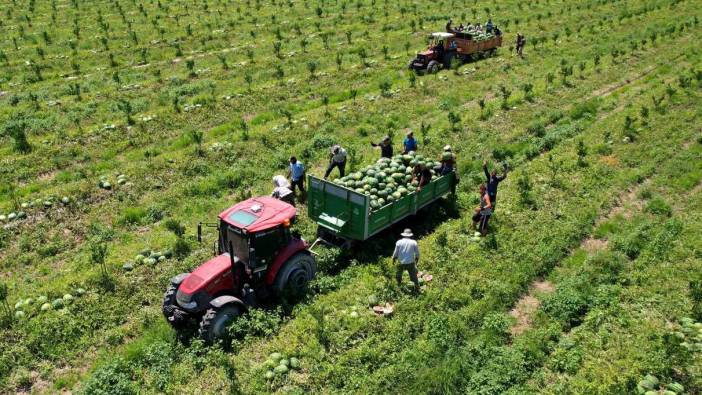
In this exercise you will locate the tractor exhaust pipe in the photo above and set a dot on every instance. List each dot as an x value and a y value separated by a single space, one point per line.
231 254
199 232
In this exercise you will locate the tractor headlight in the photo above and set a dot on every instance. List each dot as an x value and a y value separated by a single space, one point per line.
189 306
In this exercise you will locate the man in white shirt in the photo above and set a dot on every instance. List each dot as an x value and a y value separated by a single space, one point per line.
337 158
407 253
282 190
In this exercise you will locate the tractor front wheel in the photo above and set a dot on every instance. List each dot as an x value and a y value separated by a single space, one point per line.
433 67
215 323
295 275
169 305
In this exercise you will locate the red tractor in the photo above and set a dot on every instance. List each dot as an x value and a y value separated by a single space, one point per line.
448 47
256 254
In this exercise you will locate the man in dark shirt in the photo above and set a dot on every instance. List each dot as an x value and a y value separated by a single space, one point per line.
492 181
385 147
422 175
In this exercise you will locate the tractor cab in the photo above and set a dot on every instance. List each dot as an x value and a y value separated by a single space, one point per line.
255 252
431 58
254 230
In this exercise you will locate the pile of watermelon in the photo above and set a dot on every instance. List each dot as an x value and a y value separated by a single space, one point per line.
689 334
23 307
278 365
388 179
650 385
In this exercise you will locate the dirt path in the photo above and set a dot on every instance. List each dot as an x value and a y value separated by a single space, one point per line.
527 305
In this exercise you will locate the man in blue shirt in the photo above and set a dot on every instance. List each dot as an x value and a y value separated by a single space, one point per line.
489 26
409 144
296 173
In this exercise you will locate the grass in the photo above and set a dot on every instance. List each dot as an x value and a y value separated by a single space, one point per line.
158 104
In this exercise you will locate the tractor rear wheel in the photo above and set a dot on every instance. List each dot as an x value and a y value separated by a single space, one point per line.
295 275
215 323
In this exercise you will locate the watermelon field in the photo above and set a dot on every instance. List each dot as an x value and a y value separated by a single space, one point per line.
125 123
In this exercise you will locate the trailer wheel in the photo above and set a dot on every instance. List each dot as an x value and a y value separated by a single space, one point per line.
295 275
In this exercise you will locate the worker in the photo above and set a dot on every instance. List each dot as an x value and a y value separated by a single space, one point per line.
460 27
422 175
282 191
448 26
385 147
497 31
337 158
492 181
448 165
489 26
409 144
521 41
484 211
296 173
407 253
448 161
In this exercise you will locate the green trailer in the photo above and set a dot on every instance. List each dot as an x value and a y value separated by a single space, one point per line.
346 214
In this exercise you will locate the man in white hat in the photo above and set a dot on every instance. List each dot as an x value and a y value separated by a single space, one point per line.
282 190
407 253
337 158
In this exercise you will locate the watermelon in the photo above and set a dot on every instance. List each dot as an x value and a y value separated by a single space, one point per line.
270 364
80 291
21 215
57 303
29 301
396 195
675 387
46 307
285 362
294 363
42 299
162 258
11 217
374 204
281 369
3 218
149 261
67 298
372 300
139 259
19 314
269 375
276 357
381 202
65 200
128 266
649 382
19 305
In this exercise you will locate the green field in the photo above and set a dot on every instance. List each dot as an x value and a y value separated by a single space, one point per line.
583 286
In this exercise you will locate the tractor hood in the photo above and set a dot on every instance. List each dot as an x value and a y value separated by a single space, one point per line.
208 276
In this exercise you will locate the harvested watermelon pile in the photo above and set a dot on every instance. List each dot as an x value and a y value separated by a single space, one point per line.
388 179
